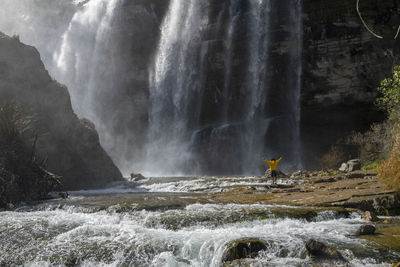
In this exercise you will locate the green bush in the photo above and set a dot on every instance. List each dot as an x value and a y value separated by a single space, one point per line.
373 166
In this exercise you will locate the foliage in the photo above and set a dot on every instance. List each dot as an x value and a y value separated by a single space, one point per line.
332 159
372 166
389 99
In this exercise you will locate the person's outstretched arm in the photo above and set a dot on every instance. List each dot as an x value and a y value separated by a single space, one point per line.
279 159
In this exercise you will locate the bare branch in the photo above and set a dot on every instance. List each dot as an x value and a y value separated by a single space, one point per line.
397 34
365 24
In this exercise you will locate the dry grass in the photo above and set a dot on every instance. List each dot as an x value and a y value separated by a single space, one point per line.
389 171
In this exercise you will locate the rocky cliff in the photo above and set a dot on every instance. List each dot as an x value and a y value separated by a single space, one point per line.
69 145
342 66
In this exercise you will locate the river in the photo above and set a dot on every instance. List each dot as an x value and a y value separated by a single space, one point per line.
162 222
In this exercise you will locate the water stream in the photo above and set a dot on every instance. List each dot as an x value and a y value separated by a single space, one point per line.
71 233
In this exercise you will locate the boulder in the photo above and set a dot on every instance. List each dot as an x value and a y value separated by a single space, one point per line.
351 165
369 216
367 229
320 251
243 248
136 177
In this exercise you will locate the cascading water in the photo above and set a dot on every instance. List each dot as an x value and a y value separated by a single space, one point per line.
208 105
174 83
80 60
179 138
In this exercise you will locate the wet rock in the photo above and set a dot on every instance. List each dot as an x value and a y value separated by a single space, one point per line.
369 216
300 174
351 165
136 177
320 251
387 205
367 229
280 174
243 248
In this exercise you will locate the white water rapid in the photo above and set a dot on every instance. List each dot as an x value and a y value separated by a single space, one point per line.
194 236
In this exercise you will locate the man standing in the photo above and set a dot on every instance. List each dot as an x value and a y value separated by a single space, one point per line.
273 166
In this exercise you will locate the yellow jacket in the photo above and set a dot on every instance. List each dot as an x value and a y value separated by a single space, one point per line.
273 164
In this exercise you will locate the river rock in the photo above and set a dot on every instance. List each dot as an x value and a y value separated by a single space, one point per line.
320 251
367 229
351 165
136 177
243 248
369 216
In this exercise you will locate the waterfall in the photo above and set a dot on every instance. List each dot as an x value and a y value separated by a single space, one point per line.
228 43
256 126
174 84
296 56
81 61
214 96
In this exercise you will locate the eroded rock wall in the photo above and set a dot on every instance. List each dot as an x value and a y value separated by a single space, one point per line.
342 66
69 145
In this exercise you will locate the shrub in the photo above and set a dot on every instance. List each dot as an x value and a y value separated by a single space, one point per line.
22 178
375 144
373 166
332 159
389 100
389 171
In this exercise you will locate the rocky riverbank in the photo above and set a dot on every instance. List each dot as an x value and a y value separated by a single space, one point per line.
358 189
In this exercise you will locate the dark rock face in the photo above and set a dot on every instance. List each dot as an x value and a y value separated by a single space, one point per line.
367 229
243 248
342 66
320 251
70 145
389 205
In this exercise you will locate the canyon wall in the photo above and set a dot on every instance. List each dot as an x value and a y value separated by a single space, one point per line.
69 146
342 67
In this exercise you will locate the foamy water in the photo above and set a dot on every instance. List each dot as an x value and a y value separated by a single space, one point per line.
194 236
205 184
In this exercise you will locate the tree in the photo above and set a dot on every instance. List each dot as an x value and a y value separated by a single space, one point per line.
390 95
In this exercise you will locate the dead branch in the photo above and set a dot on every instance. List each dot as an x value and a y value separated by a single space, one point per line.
365 24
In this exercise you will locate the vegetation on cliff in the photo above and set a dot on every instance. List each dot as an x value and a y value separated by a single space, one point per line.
389 171
22 177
